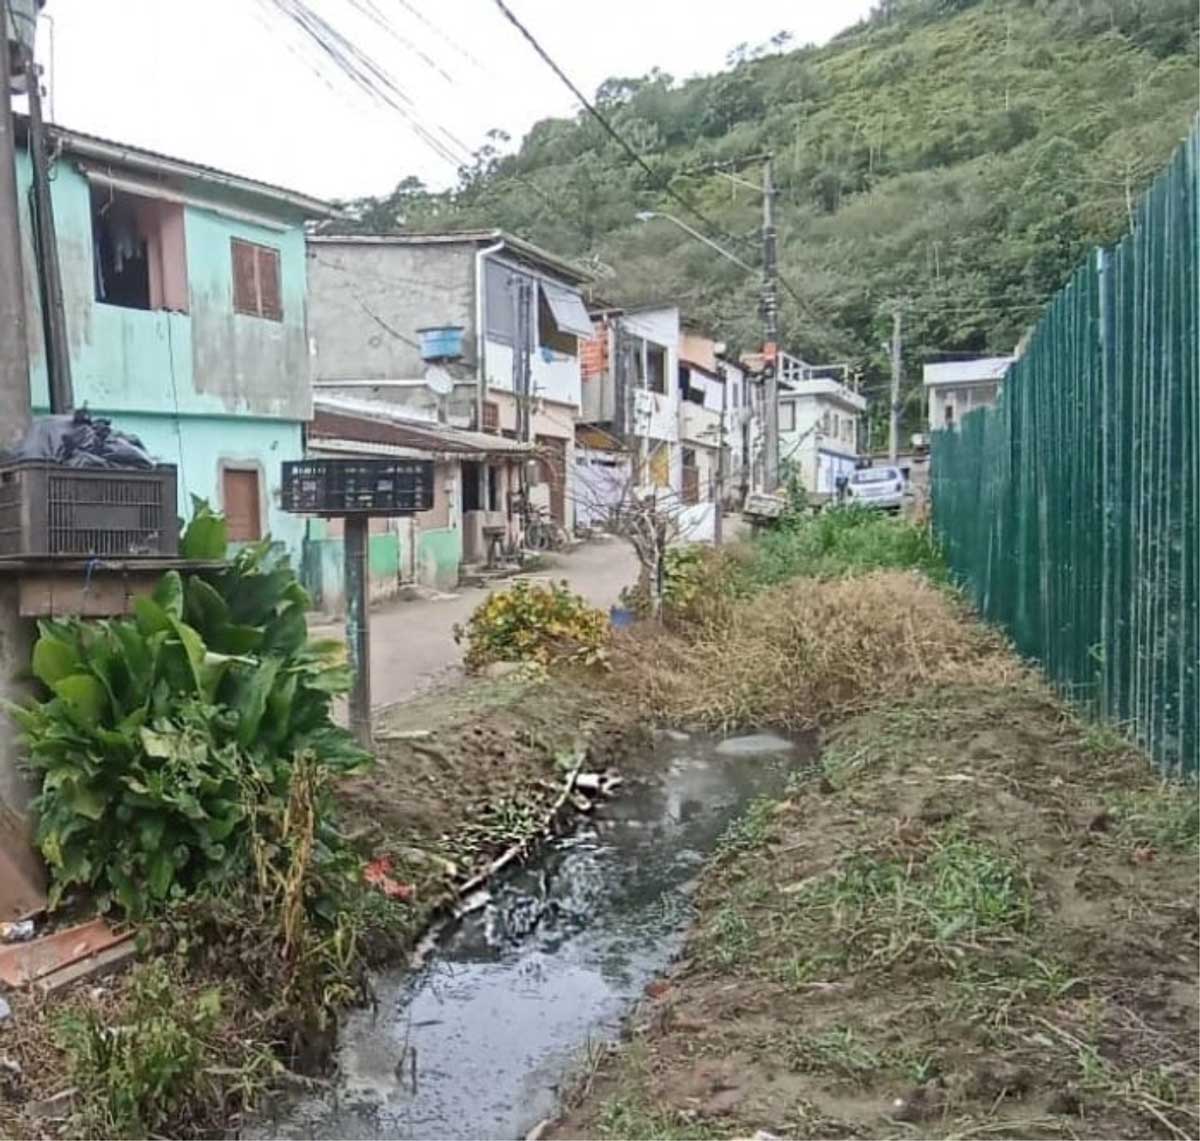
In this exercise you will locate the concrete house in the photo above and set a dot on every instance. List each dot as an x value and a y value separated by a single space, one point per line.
958 387
426 548
703 422
819 415
184 292
629 415
371 298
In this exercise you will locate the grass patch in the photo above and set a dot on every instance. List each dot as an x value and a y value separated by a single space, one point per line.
150 1070
728 940
625 1117
751 829
1166 817
846 540
881 907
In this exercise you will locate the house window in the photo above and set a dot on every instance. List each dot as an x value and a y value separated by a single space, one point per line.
256 289
656 368
787 416
949 421
138 251
549 334
500 302
491 416
493 478
240 499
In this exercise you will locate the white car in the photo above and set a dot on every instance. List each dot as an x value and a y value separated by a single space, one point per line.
881 487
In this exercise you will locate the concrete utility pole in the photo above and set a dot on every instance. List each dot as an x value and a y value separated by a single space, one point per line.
524 341
722 462
20 871
358 624
894 407
770 303
14 349
54 310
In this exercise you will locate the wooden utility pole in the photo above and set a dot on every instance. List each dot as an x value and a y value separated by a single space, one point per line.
770 304
894 407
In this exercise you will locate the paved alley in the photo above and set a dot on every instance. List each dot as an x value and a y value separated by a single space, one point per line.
412 643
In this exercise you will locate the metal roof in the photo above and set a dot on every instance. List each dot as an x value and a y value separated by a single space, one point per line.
967 372
139 158
345 418
518 246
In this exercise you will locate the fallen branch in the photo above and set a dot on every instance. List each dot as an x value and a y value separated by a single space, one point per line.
475 882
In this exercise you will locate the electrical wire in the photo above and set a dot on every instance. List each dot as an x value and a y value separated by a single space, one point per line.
613 133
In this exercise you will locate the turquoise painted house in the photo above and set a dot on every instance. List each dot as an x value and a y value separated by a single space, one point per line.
185 295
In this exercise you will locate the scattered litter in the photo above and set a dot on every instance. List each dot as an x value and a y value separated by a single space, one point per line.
755 744
57 1107
64 956
405 735
19 932
581 803
603 783
5 1011
377 873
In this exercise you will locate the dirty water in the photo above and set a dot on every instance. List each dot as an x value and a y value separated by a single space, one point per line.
476 1044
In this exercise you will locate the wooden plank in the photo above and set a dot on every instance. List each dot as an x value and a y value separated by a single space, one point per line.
101 595
23 963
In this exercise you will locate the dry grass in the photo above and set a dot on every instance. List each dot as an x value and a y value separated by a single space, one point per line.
811 651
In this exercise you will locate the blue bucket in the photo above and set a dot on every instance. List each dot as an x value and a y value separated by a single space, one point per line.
441 342
621 618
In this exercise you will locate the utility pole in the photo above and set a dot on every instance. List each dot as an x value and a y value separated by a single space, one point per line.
894 408
19 866
14 349
54 310
770 304
524 341
722 462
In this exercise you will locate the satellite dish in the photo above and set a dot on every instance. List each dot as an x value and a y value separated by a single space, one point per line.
439 381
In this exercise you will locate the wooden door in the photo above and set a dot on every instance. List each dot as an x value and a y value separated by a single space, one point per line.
240 496
553 465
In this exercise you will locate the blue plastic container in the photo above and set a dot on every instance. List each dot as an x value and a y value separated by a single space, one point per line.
621 618
441 342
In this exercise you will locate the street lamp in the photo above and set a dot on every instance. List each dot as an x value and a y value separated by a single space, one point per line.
648 215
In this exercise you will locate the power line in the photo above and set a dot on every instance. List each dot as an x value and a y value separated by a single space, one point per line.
613 133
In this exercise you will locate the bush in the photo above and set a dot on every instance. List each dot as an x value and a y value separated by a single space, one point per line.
843 540
169 740
534 623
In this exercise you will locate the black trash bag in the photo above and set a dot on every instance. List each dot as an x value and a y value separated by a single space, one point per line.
79 439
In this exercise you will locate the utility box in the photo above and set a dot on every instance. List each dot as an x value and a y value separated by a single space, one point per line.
50 510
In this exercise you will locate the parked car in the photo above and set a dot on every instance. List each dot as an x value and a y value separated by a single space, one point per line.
881 487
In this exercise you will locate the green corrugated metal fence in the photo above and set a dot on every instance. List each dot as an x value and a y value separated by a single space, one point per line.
1071 510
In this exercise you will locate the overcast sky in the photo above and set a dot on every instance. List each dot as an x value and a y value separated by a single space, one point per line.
234 84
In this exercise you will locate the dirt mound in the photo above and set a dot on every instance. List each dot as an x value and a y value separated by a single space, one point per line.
979 921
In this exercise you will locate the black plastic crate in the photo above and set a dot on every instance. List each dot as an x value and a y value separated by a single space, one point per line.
357 486
48 509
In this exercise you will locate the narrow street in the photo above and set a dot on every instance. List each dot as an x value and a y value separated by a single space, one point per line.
412 643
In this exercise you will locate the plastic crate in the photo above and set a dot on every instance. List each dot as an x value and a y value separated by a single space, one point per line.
47 509
357 487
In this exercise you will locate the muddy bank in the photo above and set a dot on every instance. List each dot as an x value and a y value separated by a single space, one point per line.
980 920
464 775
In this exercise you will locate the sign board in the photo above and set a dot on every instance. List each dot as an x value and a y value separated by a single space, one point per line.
764 506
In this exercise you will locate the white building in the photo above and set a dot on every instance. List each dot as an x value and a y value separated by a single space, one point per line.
629 406
958 387
819 417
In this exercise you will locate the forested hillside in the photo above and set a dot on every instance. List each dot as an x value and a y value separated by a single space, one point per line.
956 156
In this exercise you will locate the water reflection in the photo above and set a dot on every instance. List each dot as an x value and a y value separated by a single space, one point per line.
475 1044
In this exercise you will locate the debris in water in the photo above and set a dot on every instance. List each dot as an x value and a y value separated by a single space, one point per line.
19 932
754 745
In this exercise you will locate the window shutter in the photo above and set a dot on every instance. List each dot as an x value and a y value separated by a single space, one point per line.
268 283
491 416
245 289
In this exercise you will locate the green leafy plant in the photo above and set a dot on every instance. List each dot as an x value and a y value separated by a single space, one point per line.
531 622
166 736
140 1071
